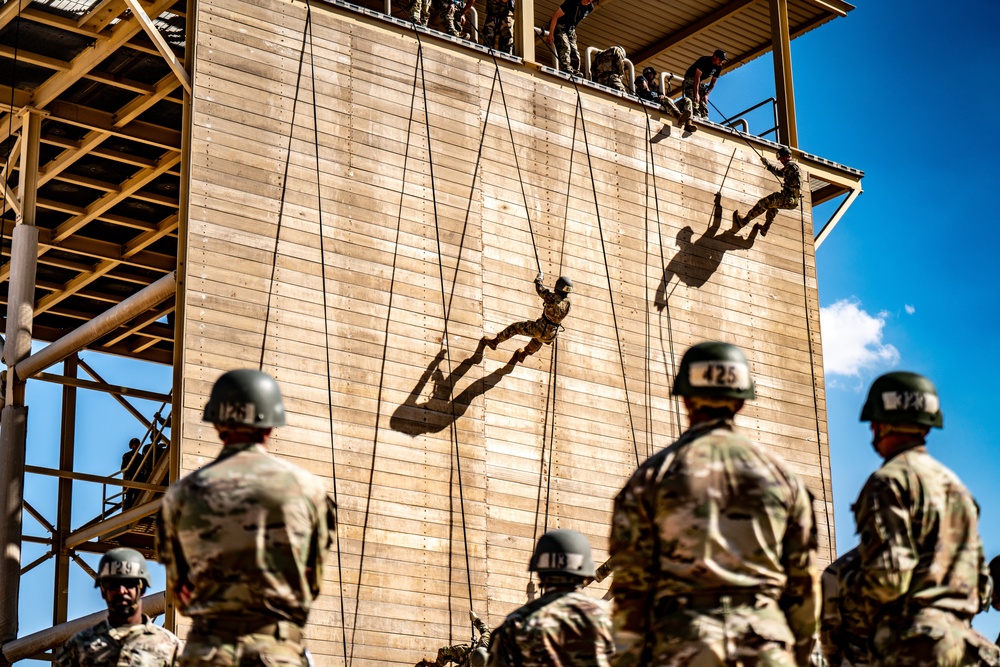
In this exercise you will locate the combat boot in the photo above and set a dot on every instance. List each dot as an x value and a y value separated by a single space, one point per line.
520 355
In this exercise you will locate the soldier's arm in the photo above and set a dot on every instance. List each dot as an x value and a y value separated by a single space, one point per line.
503 650
887 549
548 296
633 544
801 598
170 555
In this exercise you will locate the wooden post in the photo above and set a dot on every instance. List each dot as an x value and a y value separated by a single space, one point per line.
14 419
524 29
67 444
781 46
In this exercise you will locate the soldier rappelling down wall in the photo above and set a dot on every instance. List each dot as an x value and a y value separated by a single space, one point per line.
787 198
127 637
545 328
473 655
565 627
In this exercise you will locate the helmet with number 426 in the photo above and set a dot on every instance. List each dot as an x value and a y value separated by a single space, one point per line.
714 369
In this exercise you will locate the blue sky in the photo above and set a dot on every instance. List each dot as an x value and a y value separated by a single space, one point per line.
907 280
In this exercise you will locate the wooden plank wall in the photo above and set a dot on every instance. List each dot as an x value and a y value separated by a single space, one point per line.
368 302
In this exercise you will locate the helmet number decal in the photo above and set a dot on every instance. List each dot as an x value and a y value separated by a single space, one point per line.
560 561
728 374
910 401
241 413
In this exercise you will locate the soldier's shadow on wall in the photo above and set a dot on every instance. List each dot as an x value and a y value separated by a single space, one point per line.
696 260
416 417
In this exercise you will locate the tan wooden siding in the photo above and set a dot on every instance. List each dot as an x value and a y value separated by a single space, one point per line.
366 375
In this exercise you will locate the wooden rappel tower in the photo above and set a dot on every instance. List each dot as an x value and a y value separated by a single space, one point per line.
350 202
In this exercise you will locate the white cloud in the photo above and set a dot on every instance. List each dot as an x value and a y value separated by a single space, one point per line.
910 309
852 339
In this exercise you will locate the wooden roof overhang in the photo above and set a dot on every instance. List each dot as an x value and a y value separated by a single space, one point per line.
108 168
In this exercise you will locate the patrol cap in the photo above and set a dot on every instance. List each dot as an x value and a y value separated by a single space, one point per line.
122 563
648 71
784 151
245 397
902 397
714 369
721 55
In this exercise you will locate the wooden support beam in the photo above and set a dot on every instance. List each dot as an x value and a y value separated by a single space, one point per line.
140 105
60 22
114 523
781 46
10 11
31 58
103 121
64 499
524 29
727 11
98 479
56 84
161 44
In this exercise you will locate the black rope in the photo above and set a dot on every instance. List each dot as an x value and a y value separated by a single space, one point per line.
517 165
381 382
607 268
453 427
812 370
284 190
552 430
326 324
743 137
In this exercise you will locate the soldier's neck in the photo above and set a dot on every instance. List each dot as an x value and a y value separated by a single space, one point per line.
119 620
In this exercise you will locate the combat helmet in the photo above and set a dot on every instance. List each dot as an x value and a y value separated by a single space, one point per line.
122 563
901 397
784 151
561 552
564 285
716 370
245 397
478 657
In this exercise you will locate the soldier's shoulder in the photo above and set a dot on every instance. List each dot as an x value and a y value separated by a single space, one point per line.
587 604
162 635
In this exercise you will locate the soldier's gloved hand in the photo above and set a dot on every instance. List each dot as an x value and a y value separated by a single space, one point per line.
539 277
473 616
764 161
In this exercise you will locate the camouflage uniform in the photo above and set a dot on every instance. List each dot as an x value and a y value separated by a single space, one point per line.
686 103
713 545
498 27
786 198
144 645
559 629
921 562
843 633
567 49
650 90
247 535
545 328
609 68
440 15
459 653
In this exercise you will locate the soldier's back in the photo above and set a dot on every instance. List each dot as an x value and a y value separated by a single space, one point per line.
253 530
562 629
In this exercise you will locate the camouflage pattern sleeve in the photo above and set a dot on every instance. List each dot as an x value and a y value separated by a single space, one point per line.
65 656
633 552
167 549
548 296
887 549
323 538
503 649
801 598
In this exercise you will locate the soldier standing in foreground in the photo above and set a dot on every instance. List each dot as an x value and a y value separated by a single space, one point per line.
545 328
564 627
244 538
713 540
787 198
921 561
498 26
127 638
